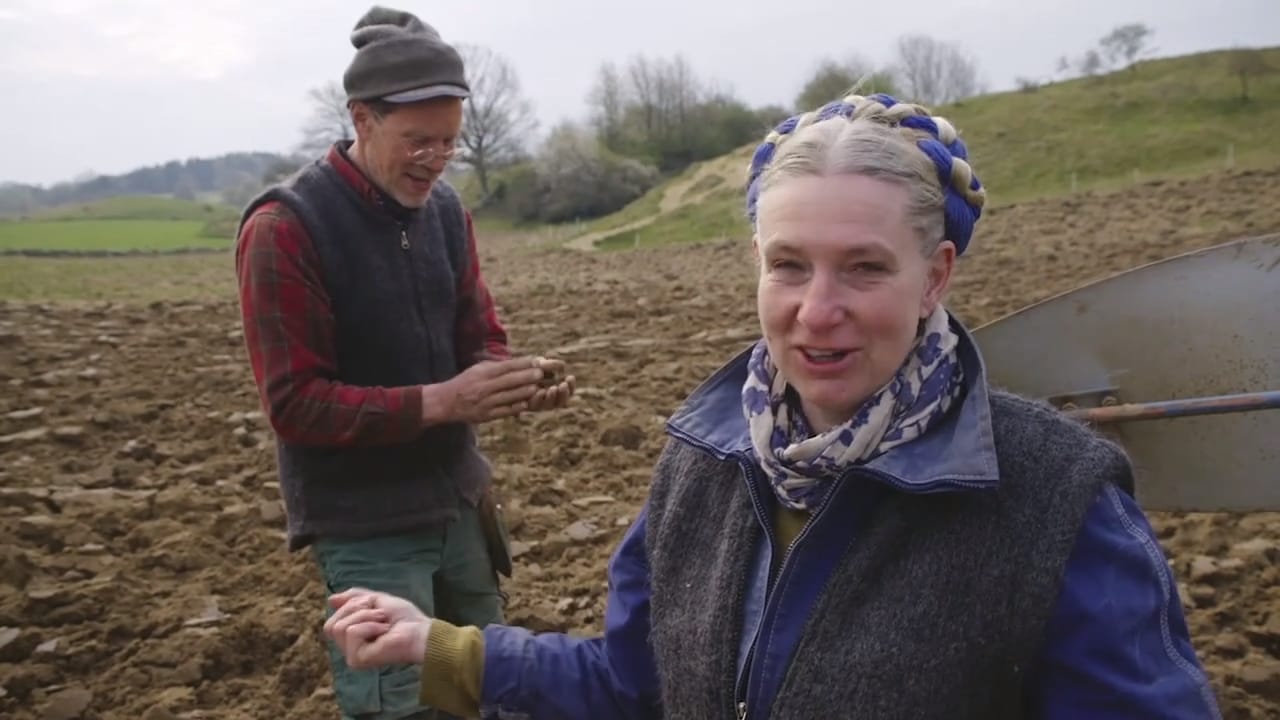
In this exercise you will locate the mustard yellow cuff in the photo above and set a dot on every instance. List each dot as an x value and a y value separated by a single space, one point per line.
453 670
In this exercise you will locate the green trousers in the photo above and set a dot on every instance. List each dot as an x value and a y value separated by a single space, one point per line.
446 572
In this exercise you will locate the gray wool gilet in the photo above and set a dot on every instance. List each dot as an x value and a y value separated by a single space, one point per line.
392 278
936 609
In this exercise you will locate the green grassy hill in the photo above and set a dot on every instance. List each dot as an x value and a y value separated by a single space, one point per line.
1159 119
122 224
1177 116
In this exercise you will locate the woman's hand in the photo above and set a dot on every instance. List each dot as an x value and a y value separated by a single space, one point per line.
373 629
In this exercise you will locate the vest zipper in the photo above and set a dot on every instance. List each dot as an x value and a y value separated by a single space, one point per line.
740 689
417 298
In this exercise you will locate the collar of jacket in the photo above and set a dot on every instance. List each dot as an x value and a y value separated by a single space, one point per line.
957 454
339 157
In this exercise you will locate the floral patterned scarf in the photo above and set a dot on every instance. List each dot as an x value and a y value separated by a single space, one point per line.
799 464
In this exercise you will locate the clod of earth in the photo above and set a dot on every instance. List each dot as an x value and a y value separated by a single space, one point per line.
553 372
68 704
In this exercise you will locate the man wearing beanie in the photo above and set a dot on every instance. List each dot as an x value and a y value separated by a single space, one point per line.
376 348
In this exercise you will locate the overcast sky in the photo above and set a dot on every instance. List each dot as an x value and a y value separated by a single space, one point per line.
106 86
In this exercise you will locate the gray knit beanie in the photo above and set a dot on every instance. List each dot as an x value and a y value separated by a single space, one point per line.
401 59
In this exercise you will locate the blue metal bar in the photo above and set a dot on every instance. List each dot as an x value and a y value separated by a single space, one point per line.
1218 404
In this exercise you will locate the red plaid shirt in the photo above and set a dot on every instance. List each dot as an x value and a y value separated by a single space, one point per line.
289 334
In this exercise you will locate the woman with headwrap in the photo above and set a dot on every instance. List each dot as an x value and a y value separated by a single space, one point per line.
847 521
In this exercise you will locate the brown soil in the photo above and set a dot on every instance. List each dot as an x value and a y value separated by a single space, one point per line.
142 569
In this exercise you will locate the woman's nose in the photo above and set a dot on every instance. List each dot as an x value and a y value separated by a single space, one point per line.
822 306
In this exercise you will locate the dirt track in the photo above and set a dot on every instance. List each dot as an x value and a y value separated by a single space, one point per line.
142 571
708 177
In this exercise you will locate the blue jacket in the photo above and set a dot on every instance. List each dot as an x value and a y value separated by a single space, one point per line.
1117 645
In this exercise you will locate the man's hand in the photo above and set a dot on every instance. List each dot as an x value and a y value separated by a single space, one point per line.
555 389
373 629
488 390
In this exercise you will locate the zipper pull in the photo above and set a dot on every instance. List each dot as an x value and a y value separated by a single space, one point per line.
742 711
404 239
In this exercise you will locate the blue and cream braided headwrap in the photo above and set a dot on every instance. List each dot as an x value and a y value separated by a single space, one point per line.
799 463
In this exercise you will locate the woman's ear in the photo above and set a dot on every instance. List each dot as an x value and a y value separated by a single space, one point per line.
941 264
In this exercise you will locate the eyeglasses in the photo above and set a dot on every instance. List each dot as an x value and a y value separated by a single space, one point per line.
424 152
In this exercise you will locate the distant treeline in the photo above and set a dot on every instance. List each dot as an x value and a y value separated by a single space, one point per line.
223 179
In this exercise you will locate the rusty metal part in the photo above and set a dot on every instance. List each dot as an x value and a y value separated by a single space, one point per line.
1168 409
1085 398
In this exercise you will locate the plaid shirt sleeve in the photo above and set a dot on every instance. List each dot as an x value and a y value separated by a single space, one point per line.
289 334
479 332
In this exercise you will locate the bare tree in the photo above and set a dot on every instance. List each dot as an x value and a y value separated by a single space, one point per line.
659 95
1090 63
659 111
674 94
497 118
608 102
644 88
1246 64
1125 43
651 108
681 93
330 119
833 80
934 72
960 80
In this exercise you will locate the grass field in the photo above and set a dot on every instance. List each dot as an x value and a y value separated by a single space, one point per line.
152 226
123 224
107 235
